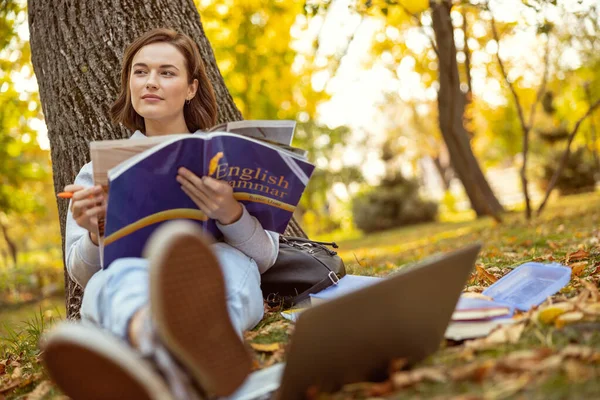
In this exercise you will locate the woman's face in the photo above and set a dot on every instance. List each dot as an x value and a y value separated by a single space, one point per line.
158 82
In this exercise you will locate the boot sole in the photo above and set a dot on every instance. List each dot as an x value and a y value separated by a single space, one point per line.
188 304
87 364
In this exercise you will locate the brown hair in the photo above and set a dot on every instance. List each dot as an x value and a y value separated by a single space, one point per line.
200 113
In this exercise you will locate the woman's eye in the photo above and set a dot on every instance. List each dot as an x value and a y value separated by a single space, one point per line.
139 72
168 73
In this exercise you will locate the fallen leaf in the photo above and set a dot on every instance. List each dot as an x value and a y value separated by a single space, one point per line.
408 378
508 387
549 363
576 371
502 334
568 318
381 389
591 309
593 289
511 254
17 373
581 298
548 315
578 255
40 391
578 267
578 351
265 348
475 289
476 371
484 275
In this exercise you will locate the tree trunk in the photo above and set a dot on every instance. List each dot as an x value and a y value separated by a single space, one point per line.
12 247
451 106
77 47
444 172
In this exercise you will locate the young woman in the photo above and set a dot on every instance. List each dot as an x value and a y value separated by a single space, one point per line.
187 302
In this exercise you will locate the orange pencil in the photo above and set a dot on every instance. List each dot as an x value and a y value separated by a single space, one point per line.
65 195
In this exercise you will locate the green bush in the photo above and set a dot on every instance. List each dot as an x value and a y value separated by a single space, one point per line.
394 203
578 176
36 275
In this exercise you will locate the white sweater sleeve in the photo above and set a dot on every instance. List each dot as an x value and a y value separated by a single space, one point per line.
248 236
82 256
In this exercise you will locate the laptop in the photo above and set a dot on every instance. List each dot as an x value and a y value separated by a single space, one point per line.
354 337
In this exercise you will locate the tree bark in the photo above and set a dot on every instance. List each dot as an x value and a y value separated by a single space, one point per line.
451 106
12 247
77 47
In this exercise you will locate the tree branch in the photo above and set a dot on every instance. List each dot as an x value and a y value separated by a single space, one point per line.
467 52
418 20
542 88
565 156
526 128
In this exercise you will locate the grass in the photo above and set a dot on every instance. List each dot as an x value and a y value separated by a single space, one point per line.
567 225
21 371
10 316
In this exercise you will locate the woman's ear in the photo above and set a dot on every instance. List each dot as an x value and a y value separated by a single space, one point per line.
192 89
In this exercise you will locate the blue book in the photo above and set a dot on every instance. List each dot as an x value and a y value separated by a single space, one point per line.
346 285
143 192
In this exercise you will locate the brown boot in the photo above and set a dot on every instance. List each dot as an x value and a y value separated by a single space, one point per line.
189 309
88 363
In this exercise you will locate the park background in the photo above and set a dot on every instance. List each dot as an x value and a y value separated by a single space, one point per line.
431 125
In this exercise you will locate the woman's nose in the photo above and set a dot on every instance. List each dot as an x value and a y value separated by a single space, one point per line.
151 82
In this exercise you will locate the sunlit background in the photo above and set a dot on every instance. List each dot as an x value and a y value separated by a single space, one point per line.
361 79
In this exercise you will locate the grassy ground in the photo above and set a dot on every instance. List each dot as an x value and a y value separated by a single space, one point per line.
14 316
543 360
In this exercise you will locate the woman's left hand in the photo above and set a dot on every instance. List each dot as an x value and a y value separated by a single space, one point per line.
212 196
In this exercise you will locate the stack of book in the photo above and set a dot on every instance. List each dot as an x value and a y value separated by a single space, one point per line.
476 317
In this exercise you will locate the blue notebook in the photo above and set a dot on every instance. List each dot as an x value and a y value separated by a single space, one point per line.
347 284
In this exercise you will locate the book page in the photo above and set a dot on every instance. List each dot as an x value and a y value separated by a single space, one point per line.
107 154
281 132
219 127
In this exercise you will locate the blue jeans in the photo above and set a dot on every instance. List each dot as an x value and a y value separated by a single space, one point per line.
114 295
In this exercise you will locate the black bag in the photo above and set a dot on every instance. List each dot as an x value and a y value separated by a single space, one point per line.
302 267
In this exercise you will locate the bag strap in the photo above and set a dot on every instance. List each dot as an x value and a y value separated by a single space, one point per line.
332 278
304 240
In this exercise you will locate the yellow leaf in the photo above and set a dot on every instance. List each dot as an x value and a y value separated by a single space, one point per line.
265 348
416 6
549 314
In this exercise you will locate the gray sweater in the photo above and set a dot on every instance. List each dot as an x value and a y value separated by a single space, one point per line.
246 235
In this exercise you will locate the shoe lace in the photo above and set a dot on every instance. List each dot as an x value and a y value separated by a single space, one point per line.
179 381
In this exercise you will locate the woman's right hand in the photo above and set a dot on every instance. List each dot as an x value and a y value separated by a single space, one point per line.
87 205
